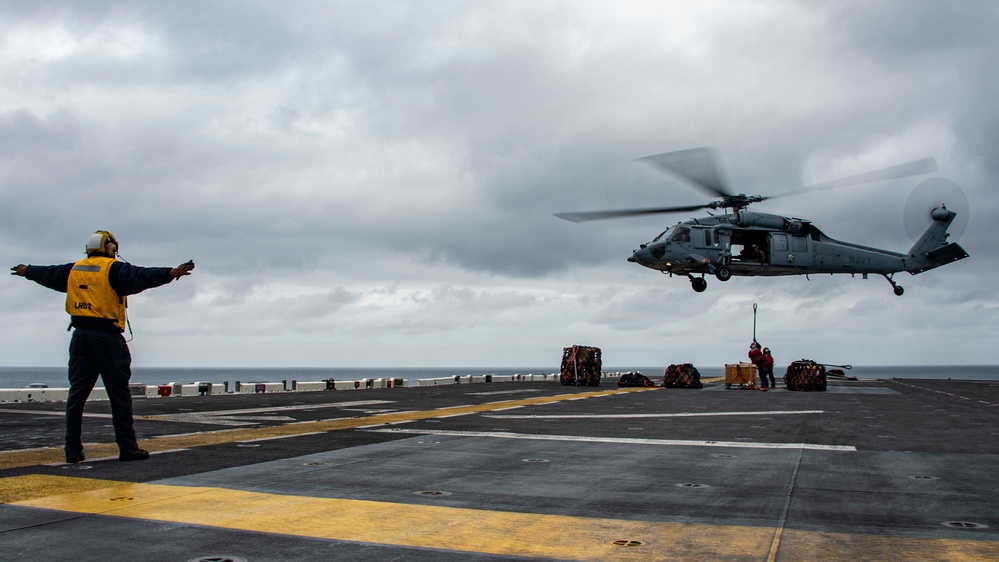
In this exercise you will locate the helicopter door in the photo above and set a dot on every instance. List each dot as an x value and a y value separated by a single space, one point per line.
790 249
723 238
704 238
706 241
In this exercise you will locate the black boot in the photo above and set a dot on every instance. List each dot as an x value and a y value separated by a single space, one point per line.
136 455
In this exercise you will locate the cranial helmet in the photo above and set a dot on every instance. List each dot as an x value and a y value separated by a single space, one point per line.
766 350
102 243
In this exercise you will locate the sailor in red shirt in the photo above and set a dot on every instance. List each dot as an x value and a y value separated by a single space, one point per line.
754 352
766 366
754 355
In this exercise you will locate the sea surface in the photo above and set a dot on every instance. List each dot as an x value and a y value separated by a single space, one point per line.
55 377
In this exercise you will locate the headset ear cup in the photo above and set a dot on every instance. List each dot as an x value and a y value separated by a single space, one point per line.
94 243
112 249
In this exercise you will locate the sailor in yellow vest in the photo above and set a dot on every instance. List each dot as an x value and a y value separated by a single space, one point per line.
96 290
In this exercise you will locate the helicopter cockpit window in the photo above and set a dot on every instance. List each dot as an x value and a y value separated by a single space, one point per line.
681 234
662 236
707 238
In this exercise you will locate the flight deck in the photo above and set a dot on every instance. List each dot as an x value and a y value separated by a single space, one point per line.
895 469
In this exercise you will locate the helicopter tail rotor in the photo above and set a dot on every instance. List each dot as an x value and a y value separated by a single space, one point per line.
932 195
933 248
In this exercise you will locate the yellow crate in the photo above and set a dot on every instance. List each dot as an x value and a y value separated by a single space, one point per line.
740 373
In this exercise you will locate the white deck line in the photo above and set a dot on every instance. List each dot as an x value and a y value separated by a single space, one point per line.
624 440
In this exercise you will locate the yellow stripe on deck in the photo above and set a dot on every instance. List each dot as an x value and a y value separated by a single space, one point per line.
17 459
465 530
398 524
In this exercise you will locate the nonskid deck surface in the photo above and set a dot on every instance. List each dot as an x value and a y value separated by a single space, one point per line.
900 469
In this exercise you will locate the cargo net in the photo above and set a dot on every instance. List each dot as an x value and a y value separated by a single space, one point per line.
580 366
684 375
635 378
805 375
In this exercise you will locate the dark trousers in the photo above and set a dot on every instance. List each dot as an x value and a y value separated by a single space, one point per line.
762 372
94 353
768 371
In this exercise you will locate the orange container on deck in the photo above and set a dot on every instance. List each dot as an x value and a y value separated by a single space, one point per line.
740 373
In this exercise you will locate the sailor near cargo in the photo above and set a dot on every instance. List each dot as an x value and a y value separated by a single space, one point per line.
764 364
96 290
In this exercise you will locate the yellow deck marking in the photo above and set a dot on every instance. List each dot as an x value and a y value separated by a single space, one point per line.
458 529
815 546
17 459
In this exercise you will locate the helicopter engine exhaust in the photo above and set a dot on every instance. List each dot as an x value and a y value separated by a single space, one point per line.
763 220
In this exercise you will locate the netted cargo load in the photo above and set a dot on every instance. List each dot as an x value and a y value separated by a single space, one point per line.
683 375
581 366
634 378
805 375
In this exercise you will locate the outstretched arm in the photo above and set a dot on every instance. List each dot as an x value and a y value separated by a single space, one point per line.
127 279
182 269
52 276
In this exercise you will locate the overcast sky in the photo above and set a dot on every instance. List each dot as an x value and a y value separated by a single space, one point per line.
370 184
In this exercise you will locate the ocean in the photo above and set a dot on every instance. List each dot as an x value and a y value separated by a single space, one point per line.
55 377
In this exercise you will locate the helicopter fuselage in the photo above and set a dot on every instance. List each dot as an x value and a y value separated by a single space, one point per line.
750 244
747 243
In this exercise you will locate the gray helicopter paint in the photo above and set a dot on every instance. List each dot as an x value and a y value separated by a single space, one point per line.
787 246
770 244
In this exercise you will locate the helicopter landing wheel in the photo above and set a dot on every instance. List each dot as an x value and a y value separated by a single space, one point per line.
699 284
723 273
895 286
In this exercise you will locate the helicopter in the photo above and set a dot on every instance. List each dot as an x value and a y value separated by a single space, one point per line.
747 243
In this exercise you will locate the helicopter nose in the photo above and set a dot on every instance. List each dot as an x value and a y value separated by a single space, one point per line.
639 255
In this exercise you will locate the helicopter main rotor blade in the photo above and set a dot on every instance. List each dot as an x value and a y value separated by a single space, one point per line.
915 168
696 165
584 216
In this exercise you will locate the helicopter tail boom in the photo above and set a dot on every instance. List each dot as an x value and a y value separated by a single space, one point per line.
932 249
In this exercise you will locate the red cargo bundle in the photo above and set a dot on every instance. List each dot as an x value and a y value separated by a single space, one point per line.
635 378
684 375
805 375
581 366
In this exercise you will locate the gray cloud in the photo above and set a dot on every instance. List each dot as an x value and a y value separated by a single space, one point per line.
361 176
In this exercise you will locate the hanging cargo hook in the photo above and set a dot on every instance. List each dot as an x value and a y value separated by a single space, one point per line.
754 321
